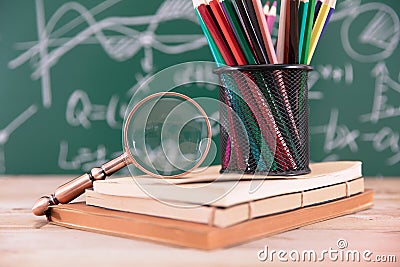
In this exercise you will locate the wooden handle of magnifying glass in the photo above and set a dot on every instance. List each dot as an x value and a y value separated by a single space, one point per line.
76 187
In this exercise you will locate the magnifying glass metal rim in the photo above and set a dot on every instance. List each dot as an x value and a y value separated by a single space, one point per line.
76 187
131 159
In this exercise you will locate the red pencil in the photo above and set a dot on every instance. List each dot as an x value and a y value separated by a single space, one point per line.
229 59
227 32
216 35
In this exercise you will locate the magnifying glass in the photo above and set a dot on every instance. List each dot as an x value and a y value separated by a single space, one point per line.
165 135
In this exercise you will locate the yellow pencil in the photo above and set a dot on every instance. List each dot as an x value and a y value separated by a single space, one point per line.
319 25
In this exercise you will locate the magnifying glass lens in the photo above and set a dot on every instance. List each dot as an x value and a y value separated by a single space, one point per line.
167 136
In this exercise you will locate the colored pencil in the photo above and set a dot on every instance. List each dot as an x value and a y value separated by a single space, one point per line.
240 62
307 33
266 35
254 12
260 155
250 9
317 8
239 33
273 59
280 46
238 30
282 146
319 25
251 13
286 118
271 17
266 10
213 47
220 61
331 10
256 135
256 42
294 33
227 32
267 118
215 33
235 149
287 33
303 9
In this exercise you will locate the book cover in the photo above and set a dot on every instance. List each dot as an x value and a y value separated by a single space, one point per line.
196 235
201 188
220 216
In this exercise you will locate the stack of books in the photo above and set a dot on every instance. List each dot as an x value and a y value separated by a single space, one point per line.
208 210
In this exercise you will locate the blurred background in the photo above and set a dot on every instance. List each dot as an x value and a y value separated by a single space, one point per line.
69 69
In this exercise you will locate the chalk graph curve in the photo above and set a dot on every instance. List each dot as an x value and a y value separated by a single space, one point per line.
384 12
119 48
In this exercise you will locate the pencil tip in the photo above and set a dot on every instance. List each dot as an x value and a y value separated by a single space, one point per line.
266 9
197 3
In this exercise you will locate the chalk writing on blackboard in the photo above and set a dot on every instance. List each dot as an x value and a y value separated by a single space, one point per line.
85 158
123 44
386 139
10 128
384 85
337 136
81 111
381 34
328 72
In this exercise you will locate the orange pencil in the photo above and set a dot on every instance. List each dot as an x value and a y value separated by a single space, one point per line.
215 33
227 32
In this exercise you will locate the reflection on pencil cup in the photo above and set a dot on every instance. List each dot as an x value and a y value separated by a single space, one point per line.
264 119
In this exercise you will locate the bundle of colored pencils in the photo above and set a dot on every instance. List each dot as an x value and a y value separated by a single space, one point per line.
239 31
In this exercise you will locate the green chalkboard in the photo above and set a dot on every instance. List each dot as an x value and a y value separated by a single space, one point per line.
68 70
355 88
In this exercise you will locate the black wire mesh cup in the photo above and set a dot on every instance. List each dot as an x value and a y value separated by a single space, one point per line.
264 119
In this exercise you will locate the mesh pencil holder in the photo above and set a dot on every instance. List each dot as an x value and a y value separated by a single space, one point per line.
264 119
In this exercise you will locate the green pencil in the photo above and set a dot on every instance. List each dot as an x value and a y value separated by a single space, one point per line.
211 43
230 13
308 30
255 139
303 10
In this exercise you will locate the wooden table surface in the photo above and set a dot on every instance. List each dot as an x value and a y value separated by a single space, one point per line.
26 240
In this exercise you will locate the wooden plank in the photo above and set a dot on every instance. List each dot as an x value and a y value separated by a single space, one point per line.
43 248
20 192
24 241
